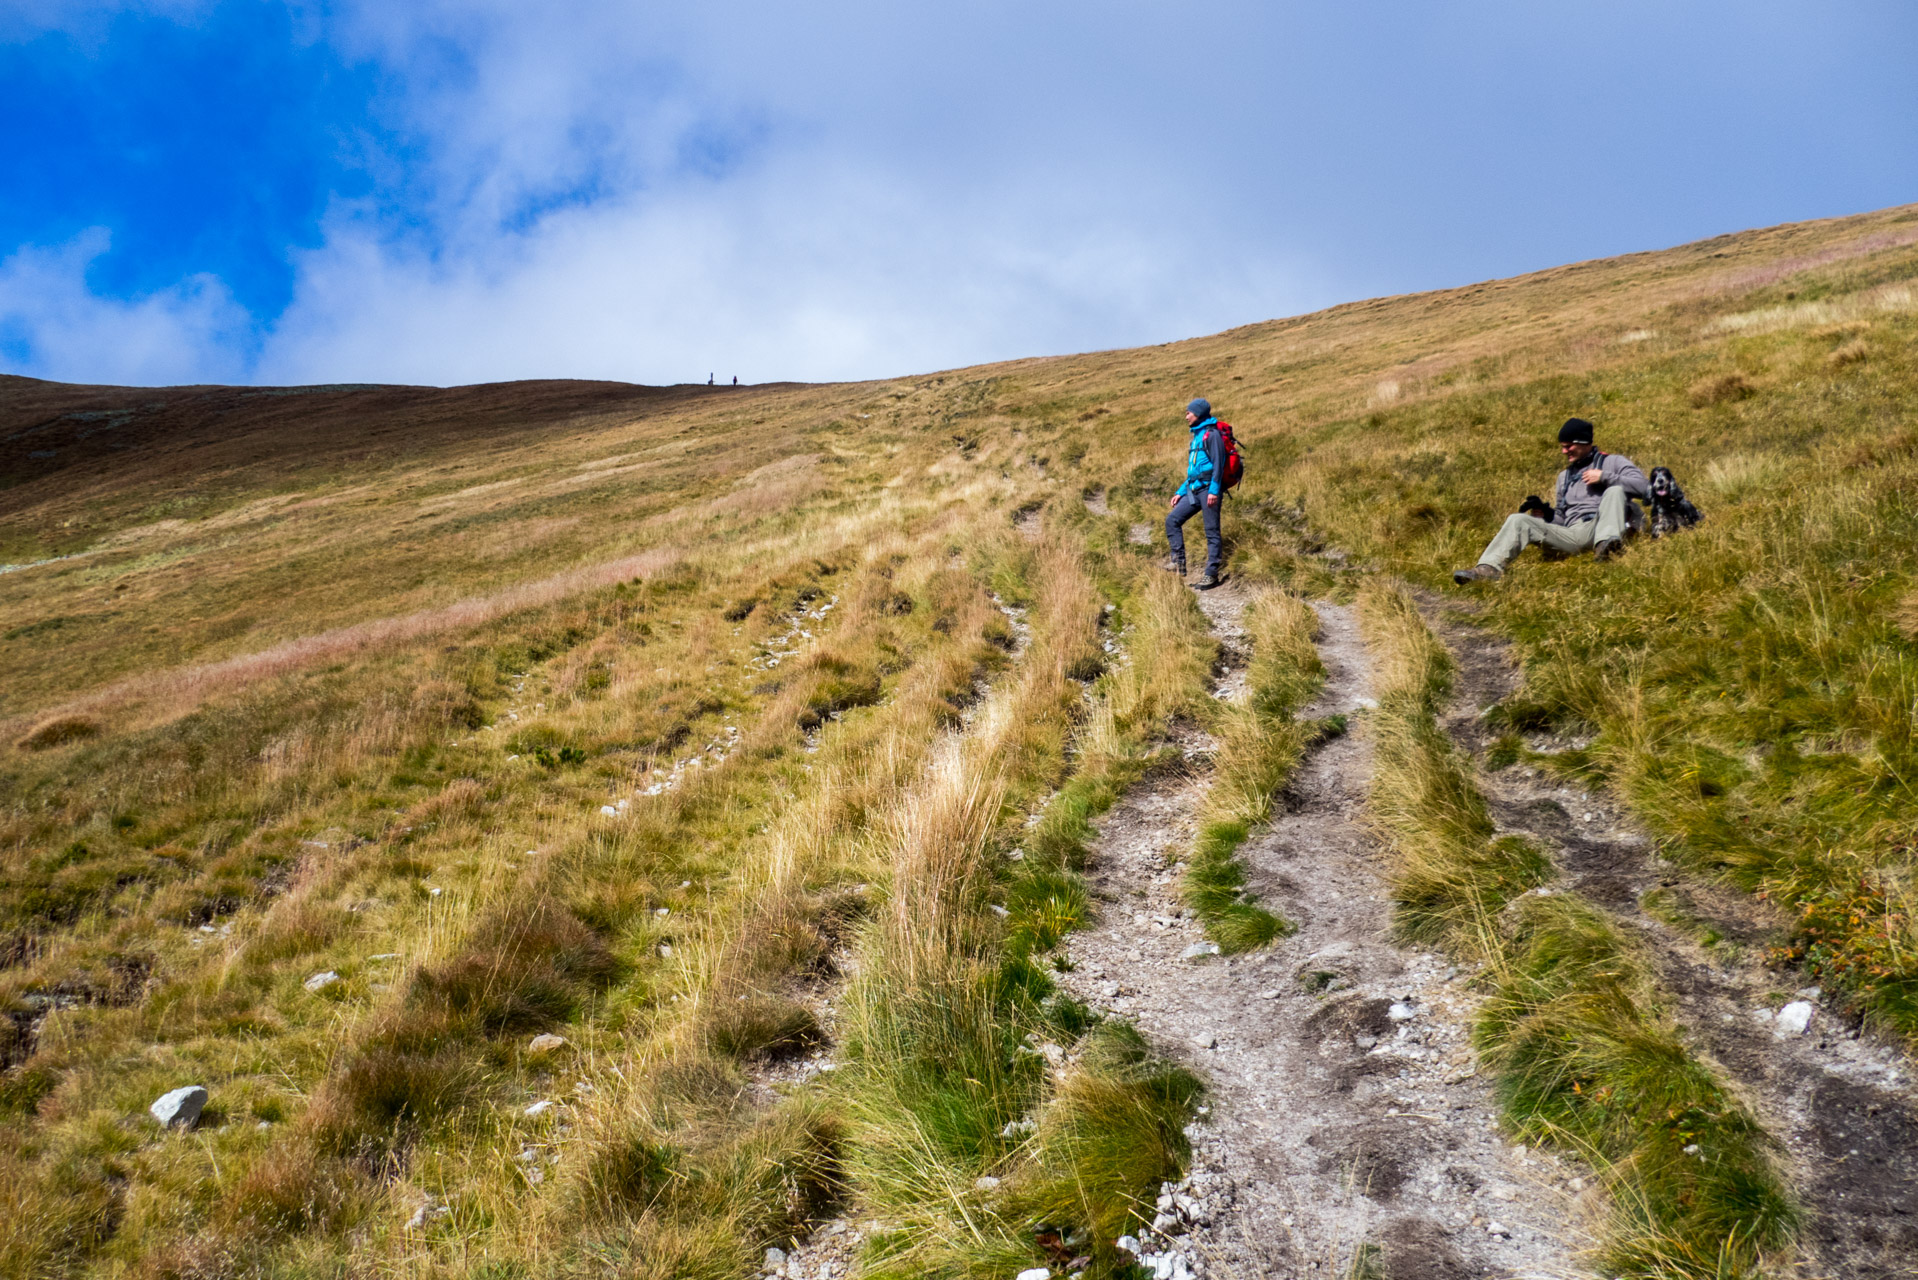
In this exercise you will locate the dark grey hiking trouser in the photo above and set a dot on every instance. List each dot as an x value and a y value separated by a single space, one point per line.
1182 511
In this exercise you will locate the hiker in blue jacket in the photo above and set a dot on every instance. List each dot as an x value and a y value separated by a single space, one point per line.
1203 490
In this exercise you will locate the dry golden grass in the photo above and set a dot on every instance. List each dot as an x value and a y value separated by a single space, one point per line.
301 634
1723 388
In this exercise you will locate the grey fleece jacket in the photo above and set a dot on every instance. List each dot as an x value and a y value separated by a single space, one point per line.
1577 501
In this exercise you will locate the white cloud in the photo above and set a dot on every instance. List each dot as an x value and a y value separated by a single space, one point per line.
630 189
634 192
61 329
802 267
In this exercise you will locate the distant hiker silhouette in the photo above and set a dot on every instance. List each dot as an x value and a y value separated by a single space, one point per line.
735 379
709 379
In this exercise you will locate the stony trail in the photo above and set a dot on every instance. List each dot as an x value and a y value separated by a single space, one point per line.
1841 1101
1345 1112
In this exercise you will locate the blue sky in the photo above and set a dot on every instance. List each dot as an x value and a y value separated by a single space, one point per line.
439 192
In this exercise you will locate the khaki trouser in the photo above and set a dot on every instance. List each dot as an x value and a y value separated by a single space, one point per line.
1521 532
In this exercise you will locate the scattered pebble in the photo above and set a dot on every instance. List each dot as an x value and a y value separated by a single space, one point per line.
1795 1018
321 981
181 1108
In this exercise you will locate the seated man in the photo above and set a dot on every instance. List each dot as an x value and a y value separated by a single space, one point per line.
1592 510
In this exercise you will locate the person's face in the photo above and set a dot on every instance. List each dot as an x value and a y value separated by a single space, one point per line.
1575 452
1191 418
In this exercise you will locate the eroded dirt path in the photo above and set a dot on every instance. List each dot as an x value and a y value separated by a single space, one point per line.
1345 1108
1840 1101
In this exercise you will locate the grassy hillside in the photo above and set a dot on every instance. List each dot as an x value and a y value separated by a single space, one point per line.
698 727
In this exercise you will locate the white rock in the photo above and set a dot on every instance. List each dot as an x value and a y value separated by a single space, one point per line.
1269 995
540 1108
607 811
998 910
546 1043
1810 993
1497 1228
321 981
1795 1018
1200 951
1368 704
179 1109
775 1258
1127 1244
1205 1040
418 1219
1036 1273
385 955
1401 1012
987 1183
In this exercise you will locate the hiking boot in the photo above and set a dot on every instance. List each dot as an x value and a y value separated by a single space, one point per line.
1174 564
1609 548
1477 573
1210 580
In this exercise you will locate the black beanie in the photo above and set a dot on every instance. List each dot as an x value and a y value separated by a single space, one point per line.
1575 431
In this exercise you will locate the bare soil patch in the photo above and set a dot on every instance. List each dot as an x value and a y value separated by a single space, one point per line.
1839 1099
1345 1109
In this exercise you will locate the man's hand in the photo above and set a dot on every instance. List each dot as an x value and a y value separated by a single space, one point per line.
1593 476
1175 499
1211 499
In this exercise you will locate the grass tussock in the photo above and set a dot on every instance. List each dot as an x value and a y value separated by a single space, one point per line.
57 731
1723 388
1574 1027
1857 351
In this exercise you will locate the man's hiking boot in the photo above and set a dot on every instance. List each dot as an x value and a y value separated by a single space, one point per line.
1174 564
1477 573
1608 549
1210 580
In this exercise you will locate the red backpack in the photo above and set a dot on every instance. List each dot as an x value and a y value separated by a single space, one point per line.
1234 464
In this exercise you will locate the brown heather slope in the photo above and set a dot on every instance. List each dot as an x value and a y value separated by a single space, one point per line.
337 679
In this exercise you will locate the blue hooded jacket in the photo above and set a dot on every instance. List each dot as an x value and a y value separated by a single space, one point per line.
1205 459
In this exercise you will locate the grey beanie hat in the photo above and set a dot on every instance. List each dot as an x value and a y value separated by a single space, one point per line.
1201 406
